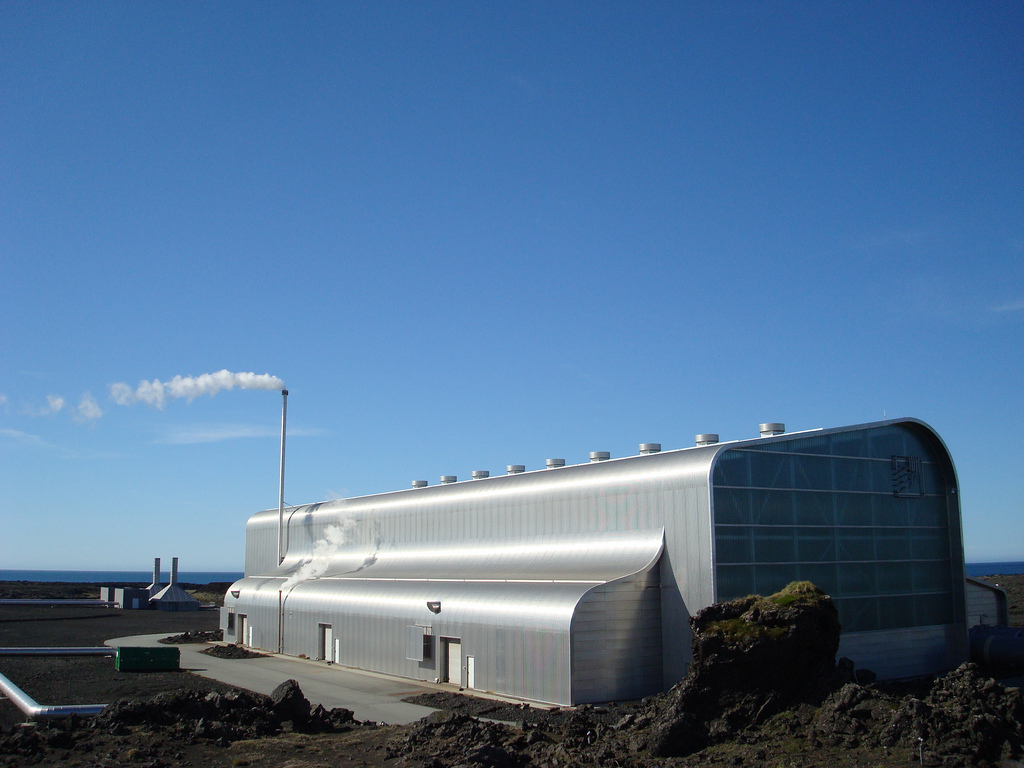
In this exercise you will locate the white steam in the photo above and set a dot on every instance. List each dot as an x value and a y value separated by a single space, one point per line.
315 567
156 392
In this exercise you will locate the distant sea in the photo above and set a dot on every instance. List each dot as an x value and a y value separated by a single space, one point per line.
120 577
992 569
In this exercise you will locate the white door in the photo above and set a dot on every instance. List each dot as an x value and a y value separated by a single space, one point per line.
454 661
337 651
240 637
326 641
471 672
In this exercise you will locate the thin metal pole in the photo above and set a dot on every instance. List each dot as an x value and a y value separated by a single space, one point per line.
280 498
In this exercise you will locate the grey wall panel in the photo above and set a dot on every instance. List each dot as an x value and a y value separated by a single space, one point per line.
911 652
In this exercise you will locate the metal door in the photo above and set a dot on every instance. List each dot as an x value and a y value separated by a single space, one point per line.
454 666
326 641
240 637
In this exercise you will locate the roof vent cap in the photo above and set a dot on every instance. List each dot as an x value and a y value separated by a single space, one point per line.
600 455
420 483
553 463
646 448
448 479
515 469
480 474
709 438
772 428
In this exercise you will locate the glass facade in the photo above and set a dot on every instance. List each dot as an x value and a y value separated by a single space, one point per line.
869 515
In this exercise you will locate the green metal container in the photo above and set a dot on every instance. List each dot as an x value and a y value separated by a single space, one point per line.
159 659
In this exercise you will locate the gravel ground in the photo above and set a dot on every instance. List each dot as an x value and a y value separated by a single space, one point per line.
541 736
89 679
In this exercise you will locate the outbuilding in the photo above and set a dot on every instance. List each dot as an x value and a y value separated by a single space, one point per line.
574 584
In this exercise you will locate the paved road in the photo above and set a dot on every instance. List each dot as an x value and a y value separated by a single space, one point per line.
369 696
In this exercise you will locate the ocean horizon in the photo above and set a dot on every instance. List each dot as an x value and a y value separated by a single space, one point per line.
207 577
116 578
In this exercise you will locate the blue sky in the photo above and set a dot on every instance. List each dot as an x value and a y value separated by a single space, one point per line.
472 234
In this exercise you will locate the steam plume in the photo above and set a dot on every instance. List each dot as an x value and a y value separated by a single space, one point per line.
156 392
314 568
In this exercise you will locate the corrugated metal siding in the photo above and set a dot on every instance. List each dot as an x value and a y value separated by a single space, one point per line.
985 604
616 641
911 652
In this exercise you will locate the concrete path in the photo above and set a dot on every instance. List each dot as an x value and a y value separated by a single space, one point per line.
368 695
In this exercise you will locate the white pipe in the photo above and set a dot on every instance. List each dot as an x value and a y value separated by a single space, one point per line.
280 497
90 603
105 650
36 711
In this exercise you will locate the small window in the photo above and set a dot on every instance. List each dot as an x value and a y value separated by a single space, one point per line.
231 622
419 646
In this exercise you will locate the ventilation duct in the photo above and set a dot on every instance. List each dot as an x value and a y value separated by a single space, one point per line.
600 455
772 428
420 483
480 474
709 438
449 479
646 448
515 469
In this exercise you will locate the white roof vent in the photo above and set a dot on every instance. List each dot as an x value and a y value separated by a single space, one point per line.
600 455
448 479
709 438
480 474
772 428
553 463
515 469
646 448
420 483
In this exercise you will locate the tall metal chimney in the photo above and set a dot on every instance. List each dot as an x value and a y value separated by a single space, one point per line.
280 496
174 571
156 585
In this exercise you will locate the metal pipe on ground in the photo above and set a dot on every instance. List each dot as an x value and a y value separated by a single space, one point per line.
85 602
101 651
37 711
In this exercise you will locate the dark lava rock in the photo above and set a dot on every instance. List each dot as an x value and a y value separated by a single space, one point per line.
194 636
290 704
232 652
752 657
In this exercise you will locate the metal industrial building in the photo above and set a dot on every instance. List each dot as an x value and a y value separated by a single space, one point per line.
574 584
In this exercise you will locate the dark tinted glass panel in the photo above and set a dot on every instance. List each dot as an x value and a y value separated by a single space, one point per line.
815 545
770 470
814 508
774 545
813 472
854 509
732 506
896 612
735 581
892 544
857 579
769 579
773 508
733 545
894 578
732 468
857 614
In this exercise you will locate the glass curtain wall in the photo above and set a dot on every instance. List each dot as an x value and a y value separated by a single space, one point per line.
870 516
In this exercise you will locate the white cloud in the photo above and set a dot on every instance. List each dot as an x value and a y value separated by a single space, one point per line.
1013 306
192 434
88 409
54 404
24 437
3 399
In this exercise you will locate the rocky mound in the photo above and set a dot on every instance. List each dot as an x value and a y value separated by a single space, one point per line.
752 658
182 718
232 651
194 636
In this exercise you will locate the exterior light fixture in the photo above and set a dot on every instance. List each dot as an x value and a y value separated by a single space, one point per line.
434 606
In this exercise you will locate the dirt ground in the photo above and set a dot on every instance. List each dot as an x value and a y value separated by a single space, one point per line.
534 738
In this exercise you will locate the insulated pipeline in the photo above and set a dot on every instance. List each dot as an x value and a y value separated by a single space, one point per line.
36 711
101 651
